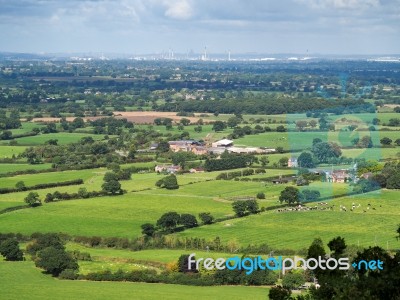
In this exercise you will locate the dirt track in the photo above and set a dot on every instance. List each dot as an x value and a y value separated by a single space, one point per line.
138 117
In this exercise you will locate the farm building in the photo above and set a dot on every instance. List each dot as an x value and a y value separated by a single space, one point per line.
153 146
225 143
199 150
293 163
339 176
184 145
196 170
216 150
168 169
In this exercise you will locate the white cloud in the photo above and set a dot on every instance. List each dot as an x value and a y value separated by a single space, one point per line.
152 25
353 4
178 9
341 4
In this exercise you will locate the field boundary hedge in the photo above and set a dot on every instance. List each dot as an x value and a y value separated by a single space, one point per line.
14 208
41 186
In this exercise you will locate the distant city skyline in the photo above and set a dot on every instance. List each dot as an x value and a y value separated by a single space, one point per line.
340 27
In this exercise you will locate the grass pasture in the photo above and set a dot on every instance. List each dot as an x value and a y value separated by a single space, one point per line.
151 255
9 151
26 127
372 153
119 216
21 280
373 222
296 230
62 137
6 168
193 134
303 140
122 216
32 179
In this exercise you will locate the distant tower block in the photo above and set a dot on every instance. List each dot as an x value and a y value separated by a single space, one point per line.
229 55
204 56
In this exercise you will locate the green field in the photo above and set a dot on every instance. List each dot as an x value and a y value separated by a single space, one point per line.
296 230
373 153
62 137
193 134
303 140
122 216
127 260
26 127
8 151
153 255
119 216
21 280
33 179
5 168
373 223
362 118
113 259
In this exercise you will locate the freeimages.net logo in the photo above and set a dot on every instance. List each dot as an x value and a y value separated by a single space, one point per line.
251 264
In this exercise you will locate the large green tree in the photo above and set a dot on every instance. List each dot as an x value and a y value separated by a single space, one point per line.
393 181
324 151
54 261
279 293
239 207
44 240
111 184
243 207
305 160
180 158
316 249
233 122
188 220
33 199
365 142
169 220
163 146
218 126
148 229
290 195
169 182
10 250
206 218
337 246
113 187
293 280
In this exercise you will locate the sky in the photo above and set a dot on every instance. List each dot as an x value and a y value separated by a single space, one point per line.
239 26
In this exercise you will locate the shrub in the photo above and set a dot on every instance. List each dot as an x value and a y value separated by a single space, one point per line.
279 293
260 195
292 280
206 218
69 274
188 220
170 182
33 199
